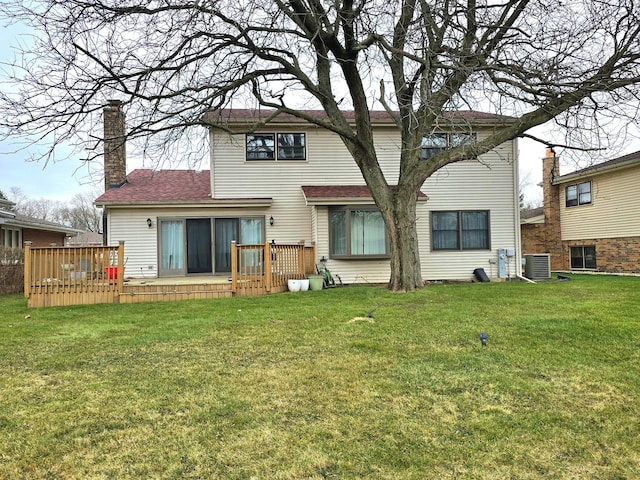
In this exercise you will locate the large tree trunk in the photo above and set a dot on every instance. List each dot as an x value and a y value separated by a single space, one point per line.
405 256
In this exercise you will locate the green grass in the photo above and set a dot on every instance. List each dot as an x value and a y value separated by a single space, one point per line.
295 386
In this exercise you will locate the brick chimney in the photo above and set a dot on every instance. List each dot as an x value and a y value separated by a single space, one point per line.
115 154
551 199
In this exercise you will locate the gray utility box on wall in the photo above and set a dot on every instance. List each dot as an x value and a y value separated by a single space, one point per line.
537 266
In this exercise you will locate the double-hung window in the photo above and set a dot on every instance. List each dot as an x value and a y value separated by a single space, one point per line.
579 194
437 142
276 146
460 230
357 232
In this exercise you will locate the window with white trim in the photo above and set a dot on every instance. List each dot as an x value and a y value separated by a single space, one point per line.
12 237
578 194
460 230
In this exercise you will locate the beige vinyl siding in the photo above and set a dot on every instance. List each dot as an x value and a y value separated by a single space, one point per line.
468 185
141 242
472 185
328 163
613 211
350 271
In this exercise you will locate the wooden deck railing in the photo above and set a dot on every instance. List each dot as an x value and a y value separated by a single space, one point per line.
260 269
55 276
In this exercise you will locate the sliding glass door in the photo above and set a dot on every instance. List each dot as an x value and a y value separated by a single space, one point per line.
226 232
241 230
199 246
171 248
186 247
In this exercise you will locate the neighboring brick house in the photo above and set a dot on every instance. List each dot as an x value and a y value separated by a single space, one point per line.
291 182
15 229
591 217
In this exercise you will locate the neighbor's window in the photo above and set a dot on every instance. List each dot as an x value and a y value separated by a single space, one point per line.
579 194
12 237
460 230
437 142
583 257
357 232
262 146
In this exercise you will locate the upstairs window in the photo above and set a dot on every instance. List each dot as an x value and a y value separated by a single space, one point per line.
460 230
437 142
262 146
357 233
291 146
433 144
579 194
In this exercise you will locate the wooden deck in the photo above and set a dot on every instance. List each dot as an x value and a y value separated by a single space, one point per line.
58 276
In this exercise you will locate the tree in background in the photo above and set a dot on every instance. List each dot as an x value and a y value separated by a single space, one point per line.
79 213
574 62
82 214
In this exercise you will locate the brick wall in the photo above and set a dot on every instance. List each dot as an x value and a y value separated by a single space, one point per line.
551 198
533 238
42 238
115 166
613 255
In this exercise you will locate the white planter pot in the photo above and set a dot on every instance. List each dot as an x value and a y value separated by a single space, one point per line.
294 285
304 284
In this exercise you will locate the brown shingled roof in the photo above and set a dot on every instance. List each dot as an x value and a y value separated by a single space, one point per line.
334 192
148 186
624 161
531 213
243 116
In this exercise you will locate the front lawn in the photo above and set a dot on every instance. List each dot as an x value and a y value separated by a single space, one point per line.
305 385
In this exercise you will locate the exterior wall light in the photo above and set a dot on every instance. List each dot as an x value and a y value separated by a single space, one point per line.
271 220
149 222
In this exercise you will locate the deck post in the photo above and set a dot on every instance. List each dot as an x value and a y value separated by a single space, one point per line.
312 259
234 266
301 269
27 269
120 265
267 267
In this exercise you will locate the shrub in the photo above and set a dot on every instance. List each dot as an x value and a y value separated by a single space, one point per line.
11 270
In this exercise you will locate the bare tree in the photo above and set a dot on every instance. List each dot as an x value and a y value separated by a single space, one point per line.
79 213
82 214
576 62
38 208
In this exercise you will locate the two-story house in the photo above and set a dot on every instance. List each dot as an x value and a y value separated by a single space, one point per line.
292 182
589 221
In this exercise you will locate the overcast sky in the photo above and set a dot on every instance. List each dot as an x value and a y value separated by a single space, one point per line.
64 177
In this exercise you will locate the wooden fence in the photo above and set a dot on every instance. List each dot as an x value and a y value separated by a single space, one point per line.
57 276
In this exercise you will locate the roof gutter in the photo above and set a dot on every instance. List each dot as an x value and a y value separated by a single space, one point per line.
222 202
592 171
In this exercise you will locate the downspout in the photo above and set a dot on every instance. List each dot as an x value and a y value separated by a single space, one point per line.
516 203
525 279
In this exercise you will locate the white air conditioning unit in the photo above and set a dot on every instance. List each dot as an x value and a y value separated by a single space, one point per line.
537 266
